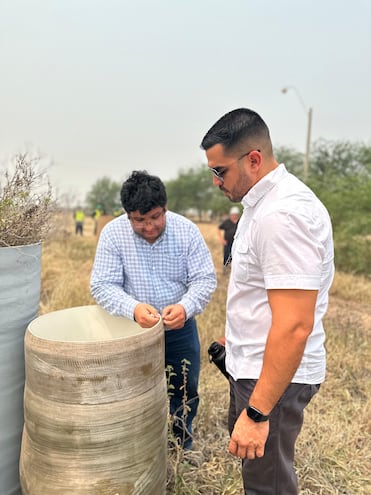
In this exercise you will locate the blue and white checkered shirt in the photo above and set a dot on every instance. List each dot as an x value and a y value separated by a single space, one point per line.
176 269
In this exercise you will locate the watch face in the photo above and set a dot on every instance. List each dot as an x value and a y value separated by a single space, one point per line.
255 415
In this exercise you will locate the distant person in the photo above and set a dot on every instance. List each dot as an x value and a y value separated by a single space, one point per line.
226 231
282 270
117 211
153 263
79 217
98 212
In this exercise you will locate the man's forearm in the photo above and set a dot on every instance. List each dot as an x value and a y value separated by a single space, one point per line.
282 358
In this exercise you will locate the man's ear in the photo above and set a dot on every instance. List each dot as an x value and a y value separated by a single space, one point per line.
255 158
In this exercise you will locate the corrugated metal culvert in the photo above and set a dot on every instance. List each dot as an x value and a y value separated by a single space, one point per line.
95 406
20 269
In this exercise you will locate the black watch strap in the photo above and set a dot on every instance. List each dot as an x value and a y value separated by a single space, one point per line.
255 414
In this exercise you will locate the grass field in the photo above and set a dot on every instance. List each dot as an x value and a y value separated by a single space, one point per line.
333 450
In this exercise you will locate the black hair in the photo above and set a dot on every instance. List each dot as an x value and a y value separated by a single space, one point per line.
142 192
237 129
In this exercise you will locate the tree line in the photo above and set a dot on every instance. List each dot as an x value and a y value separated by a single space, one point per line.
339 174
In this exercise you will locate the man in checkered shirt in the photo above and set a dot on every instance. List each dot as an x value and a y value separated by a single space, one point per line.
151 263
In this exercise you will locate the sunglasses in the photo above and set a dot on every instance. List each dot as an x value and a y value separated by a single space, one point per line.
219 172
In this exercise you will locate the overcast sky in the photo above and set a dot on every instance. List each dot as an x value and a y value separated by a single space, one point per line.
104 87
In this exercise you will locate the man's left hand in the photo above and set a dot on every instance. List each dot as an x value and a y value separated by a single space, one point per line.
174 316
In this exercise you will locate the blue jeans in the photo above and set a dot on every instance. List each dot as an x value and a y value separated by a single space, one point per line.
179 345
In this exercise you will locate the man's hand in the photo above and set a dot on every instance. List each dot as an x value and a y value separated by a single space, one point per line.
146 315
174 316
248 438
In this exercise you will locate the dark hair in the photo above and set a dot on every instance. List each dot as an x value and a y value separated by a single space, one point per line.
237 129
142 192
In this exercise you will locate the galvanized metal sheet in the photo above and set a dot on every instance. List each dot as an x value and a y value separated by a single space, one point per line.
20 272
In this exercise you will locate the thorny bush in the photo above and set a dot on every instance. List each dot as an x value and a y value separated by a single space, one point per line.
26 204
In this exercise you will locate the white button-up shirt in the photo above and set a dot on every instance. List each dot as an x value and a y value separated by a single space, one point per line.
283 241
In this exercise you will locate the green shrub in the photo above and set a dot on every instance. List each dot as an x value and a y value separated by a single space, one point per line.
353 255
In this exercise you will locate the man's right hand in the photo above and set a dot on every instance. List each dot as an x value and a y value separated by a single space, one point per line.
146 315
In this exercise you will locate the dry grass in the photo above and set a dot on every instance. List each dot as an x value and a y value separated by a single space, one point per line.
333 454
354 288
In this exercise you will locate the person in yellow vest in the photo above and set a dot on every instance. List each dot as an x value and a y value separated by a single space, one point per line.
117 211
79 217
98 212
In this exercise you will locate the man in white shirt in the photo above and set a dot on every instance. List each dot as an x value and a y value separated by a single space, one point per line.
282 269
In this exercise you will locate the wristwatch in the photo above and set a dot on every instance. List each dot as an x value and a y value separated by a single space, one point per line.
255 414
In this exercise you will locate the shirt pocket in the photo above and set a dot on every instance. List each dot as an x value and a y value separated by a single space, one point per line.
175 267
240 262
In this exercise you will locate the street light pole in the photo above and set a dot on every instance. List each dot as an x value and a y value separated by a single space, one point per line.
307 149
309 114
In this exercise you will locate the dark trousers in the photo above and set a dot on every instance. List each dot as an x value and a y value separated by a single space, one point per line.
273 474
226 253
79 228
179 345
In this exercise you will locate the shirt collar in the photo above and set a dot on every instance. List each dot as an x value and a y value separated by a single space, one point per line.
263 186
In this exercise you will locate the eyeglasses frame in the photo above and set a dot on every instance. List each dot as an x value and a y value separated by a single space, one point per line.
143 223
219 175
